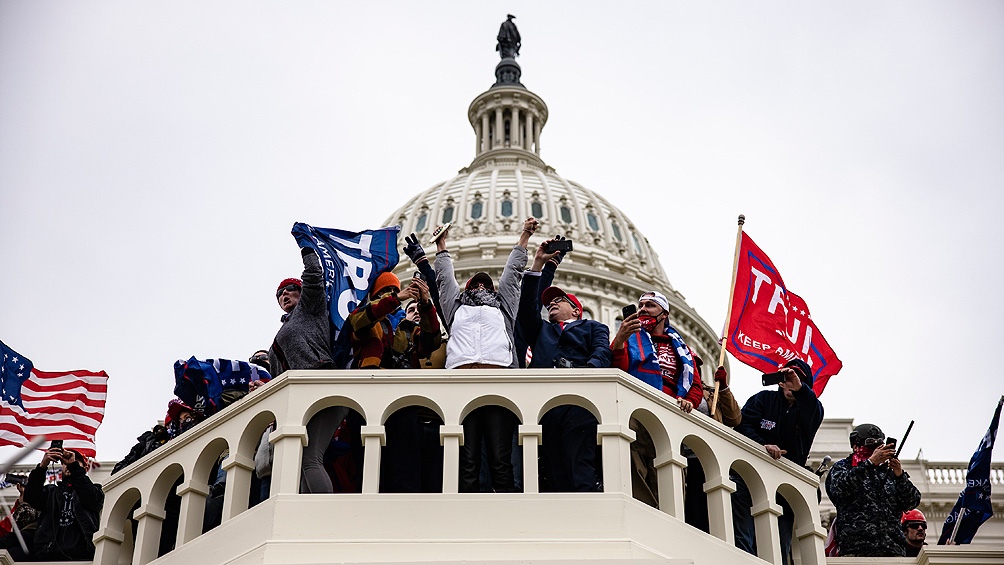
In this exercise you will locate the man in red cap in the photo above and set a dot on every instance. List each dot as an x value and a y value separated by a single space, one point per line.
481 322
915 529
568 449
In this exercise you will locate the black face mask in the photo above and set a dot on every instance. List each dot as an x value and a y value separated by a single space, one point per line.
184 426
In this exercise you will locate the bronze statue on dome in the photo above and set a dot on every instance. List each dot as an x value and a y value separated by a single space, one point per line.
508 39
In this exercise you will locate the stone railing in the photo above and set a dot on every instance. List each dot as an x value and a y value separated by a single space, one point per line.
955 473
615 398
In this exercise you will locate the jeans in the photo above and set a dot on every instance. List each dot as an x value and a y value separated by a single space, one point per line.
743 522
493 425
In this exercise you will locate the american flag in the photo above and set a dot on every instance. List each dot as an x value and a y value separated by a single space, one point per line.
68 405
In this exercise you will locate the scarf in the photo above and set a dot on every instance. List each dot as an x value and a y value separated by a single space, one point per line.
860 454
644 364
480 297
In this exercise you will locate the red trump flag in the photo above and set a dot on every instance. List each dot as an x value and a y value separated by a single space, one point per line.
770 325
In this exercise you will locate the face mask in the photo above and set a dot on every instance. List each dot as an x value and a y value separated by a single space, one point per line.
648 323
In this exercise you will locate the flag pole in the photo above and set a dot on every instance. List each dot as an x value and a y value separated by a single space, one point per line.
958 522
728 310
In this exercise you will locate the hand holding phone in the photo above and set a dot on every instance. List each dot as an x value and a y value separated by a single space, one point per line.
628 311
564 245
771 379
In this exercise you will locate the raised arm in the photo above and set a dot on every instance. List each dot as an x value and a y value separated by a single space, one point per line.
312 292
528 318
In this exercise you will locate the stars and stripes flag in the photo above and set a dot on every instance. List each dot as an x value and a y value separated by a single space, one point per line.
770 325
974 500
67 405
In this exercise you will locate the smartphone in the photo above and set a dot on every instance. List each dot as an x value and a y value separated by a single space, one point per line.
56 444
558 245
770 379
16 479
628 310
418 275
890 442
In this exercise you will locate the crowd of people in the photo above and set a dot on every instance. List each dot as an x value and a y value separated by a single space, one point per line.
434 321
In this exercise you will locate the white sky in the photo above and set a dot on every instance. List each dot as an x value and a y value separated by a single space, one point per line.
154 156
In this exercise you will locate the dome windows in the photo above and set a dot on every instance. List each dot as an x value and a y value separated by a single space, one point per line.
537 209
637 244
506 208
594 223
422 220
616 230
447 214
476 209
566 214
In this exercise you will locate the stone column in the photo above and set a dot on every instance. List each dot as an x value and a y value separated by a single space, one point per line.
288 443
499 128
528 137
235 497
517 139
719 492
147 534
616 441
478 142
536 139
485 144
193 509
451 438
374 437
529 438
810 541
768 545
669 472
107 545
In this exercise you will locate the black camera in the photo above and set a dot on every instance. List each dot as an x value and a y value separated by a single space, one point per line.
16 479
563 363
770 379
558 245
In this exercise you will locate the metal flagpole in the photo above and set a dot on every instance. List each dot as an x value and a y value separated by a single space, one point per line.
728 311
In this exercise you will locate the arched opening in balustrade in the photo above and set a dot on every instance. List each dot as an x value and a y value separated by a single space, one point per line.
754 514
491 459
255 449
164 499
703 480
651 443
412 458
209 474
570 458
803 530
116 539
333 456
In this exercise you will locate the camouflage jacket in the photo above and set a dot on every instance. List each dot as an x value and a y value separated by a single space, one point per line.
870 501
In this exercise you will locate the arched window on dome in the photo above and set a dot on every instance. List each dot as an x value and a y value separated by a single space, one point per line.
616 231
476 209
637 244
506 208
422 220
594 223
447 214
566 214
537 209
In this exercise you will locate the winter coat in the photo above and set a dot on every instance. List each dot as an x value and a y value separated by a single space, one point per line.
70 514
304 340
769 420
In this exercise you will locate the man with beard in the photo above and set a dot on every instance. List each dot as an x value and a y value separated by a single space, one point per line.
915 529
871 492
481 322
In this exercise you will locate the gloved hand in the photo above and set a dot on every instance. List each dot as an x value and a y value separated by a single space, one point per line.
560 255
414 249
722 377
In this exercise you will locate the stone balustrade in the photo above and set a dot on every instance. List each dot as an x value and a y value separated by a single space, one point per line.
615 398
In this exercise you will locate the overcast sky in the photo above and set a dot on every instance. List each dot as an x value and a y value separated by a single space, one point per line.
154 156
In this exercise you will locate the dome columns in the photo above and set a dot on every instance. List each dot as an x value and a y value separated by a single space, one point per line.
507 120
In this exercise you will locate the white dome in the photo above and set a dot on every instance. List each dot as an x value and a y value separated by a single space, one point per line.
612 263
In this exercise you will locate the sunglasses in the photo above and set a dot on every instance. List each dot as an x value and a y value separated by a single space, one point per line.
874 442
287 288
916 525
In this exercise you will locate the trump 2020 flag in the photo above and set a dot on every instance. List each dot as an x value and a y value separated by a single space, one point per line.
67 405
351 262
770 325
974 500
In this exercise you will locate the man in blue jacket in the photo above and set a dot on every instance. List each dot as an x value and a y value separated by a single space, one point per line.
784 421
568 449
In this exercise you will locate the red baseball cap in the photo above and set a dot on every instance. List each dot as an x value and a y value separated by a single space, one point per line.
552 292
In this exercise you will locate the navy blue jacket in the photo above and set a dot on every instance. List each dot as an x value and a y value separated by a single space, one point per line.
768 420
585 343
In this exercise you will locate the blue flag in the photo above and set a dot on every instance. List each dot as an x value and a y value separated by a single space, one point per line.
975 498
351 261
200 384
14 370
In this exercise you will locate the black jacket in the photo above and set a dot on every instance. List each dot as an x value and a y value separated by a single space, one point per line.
70 514
582 343
768 420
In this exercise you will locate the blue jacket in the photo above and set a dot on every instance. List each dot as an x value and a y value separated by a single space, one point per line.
768 420
585 343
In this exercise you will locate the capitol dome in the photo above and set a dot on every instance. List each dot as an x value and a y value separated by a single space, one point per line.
612 263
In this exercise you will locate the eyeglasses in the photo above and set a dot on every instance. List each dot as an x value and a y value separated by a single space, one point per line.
288 288
874 442
558 300
916 525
